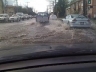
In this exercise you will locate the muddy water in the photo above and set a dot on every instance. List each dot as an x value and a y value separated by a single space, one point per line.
54 32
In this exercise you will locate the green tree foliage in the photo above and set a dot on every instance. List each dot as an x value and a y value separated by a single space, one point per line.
72 1
60 8
26 10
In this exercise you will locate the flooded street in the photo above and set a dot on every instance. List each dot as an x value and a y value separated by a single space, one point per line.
54 32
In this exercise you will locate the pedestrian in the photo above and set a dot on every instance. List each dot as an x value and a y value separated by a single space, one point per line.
89 16
94 16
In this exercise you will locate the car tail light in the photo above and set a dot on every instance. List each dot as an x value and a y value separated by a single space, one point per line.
74 20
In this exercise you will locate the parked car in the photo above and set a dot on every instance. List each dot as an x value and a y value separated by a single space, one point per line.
77 20
26 16
34 16
21 15
4 17
30 16
14 18
42 17
53 17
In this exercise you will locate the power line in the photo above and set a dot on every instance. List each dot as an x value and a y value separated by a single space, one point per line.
5 5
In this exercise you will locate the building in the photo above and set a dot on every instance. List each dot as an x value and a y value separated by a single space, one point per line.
92 8
1 6
77 8
10 10
68 11
6 6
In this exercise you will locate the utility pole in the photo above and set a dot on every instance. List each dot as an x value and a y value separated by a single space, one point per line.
27 4
5 5
16 2
85 7
2 6
47 9
55 2
16 5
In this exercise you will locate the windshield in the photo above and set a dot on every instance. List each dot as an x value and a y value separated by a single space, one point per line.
61 23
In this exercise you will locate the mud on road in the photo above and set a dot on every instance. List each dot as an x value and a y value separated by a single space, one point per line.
31 32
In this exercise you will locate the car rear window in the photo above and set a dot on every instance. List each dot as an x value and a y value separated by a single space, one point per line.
78 16
42 14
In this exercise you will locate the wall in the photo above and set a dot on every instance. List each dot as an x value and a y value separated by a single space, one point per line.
94 7
1 8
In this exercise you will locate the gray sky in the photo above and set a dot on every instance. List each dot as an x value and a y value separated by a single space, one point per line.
39 5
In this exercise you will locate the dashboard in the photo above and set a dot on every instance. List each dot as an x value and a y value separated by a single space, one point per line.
86 63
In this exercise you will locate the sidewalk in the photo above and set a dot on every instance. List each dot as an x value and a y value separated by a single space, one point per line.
93 23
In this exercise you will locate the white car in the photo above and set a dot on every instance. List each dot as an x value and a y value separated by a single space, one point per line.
53 17
21 15
26 16
4 17
76 20
42 17
14 18
30 16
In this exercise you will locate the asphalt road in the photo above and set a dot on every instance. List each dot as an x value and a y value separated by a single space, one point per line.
29 32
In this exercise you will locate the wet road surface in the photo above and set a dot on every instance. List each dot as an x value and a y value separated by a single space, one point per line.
30 32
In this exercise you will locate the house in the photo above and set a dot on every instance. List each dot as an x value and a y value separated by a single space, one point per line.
77 7
68 11
10 9
92 8
6 9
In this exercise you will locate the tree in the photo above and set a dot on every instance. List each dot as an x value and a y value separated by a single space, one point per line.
18 9
25 10
72 1
60 8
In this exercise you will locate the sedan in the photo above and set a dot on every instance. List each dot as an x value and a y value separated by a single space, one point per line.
14 18
76 20
4 17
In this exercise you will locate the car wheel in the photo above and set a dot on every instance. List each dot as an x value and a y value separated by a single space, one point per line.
5 20
17 20
9 20
68 23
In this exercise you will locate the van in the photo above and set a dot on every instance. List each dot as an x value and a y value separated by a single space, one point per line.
42 17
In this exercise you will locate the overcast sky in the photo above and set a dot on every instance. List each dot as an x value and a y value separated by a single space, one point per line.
39 5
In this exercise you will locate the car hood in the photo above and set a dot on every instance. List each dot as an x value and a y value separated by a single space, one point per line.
2 17
44 51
